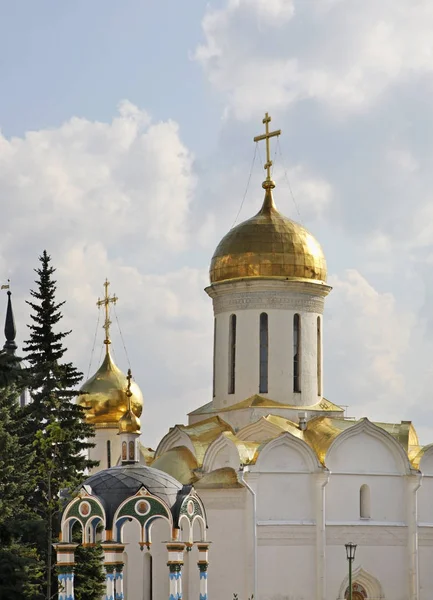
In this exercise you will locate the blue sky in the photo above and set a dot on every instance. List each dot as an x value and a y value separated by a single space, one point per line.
126 148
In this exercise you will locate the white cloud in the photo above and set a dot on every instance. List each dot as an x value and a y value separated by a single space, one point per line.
345 54
113 200
370 346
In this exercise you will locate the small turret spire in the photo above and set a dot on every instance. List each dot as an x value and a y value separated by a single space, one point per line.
10 329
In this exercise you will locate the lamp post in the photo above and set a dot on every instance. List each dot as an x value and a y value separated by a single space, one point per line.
350 553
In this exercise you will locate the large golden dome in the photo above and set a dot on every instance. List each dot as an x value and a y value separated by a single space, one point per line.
268 245
105 395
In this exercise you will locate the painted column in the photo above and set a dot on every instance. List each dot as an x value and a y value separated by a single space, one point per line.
113 565
321 482
65 569
118 581
109 582
203 563
414 484
175 563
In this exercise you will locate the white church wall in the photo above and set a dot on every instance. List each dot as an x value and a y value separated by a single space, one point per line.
364 453
381 552
100 452
285 497
426 562
230 531
387 498
286 570
425 500
261 297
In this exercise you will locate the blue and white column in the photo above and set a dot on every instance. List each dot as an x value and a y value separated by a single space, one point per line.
119 582
65 569
113 565
203 563
175 564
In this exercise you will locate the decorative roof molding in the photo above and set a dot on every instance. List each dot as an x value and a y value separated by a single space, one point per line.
174 438
371 585
369 428
259 431
215 448
290 441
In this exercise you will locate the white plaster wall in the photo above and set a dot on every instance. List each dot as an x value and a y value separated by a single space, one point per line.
286 571
230 529
285 497
381 555
426 562
99 452
387 493
280 373
425 501
363 453
281 300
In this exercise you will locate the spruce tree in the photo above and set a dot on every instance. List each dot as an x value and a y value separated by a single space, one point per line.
56 423
89 579
20 565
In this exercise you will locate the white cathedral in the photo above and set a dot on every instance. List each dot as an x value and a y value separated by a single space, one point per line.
286 481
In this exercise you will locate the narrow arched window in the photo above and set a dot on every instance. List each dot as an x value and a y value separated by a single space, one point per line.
232 354
296 353
214 352
364 502
264 354
108 454
124 451
131 451
319 357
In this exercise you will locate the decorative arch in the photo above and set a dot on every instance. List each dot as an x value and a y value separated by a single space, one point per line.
175 437
367 581
259 431
192 511
219 445
88 511
425 460
287 440
144 508
369 428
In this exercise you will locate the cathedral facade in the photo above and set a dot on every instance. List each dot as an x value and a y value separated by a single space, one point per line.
286 479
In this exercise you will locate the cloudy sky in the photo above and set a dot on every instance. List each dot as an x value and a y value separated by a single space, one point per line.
126 148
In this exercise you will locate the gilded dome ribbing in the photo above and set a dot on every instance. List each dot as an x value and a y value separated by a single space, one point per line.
268 245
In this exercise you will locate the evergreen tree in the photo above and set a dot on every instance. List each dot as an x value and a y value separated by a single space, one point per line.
89 579
55 422
20 565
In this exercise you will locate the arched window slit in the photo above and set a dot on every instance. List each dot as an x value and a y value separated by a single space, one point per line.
232 354
264 354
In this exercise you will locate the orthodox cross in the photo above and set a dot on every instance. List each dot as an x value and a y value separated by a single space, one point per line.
266 136
106 301
128 389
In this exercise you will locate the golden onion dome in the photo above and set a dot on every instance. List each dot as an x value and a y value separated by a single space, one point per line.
268 245
129 423
104 396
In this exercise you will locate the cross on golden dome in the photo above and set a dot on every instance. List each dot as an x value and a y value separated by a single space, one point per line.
268 183
106 301
128 389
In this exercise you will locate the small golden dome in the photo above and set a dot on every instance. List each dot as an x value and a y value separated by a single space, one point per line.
105 396
268 245
129 423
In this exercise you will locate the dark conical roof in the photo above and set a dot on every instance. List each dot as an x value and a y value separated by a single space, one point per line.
10 329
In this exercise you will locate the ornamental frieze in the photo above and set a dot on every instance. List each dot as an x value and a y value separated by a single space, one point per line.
268 300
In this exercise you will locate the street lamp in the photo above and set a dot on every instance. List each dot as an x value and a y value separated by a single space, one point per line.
350 553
